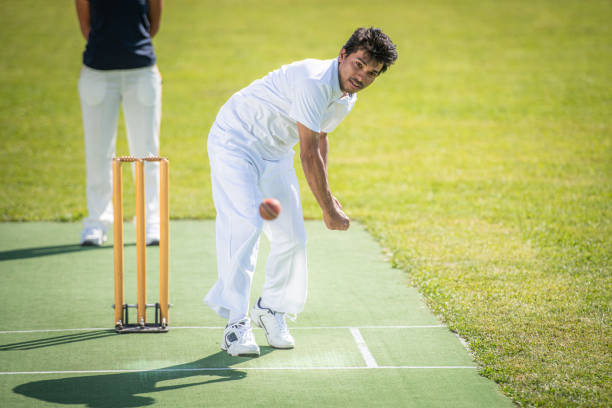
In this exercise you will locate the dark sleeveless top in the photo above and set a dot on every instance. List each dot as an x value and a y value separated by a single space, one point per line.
119 37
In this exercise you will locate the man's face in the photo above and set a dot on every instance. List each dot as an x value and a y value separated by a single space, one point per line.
357 70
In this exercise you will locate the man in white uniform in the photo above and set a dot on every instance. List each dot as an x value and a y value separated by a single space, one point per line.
250 147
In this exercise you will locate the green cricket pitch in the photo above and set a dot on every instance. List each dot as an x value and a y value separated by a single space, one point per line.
364 339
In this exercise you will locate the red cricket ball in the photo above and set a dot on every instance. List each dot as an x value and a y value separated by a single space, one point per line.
269 209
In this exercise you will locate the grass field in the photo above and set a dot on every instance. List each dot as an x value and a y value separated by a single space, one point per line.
482 161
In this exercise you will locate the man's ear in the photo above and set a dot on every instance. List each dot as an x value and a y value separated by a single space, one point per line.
342 54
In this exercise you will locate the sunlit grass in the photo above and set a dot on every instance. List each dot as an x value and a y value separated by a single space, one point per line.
482 161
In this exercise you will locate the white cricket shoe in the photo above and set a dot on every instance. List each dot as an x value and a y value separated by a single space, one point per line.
274 325
93 236
152 235
238 339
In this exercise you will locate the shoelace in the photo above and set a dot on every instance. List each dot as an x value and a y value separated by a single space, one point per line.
241 327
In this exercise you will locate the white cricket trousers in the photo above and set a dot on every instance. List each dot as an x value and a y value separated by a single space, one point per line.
102 93
240 180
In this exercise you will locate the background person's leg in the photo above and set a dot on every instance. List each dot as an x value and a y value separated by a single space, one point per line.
100 99
142 110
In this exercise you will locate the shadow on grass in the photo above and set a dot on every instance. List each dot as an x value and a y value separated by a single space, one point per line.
24 253
57 340
125 389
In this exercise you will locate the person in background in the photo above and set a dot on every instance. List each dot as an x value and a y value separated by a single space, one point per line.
119 68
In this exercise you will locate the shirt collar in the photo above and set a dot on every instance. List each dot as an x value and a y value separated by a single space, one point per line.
335 81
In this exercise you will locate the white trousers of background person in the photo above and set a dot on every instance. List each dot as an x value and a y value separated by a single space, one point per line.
102 92
240 180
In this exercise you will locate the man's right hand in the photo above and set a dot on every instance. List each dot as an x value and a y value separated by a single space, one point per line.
336 219
313 154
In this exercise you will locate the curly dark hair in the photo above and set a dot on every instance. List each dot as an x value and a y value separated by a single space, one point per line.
376 43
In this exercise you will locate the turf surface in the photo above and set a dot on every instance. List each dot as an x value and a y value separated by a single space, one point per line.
481 162
55 347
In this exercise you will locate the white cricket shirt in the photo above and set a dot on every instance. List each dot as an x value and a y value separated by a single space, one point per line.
264 115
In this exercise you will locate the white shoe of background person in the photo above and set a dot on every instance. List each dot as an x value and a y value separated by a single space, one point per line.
238 339
152 235
274 325
93 236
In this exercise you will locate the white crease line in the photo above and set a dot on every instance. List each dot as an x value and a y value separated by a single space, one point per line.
433 326
429 326
175 370
363 348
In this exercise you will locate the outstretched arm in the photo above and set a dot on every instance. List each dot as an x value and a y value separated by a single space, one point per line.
313 154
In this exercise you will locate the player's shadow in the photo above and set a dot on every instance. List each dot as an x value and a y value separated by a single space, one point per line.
126 389
57 340
24 253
